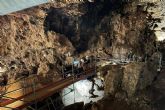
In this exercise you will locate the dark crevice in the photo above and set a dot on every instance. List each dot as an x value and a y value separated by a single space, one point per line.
80 29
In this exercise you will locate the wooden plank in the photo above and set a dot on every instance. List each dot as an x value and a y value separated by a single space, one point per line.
44 91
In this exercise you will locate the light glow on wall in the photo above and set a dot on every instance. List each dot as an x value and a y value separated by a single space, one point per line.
81 93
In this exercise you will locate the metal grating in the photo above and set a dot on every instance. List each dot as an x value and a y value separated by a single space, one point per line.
9 6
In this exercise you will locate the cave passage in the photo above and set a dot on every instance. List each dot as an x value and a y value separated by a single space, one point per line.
80 28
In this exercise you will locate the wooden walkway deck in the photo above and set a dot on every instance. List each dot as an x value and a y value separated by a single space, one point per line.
23 97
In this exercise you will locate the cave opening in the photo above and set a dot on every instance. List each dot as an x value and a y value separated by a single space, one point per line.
45 53
80 28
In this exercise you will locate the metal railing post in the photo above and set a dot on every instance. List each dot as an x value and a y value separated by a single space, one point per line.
24 89
34 89
73 81
52 103
63 74
95 65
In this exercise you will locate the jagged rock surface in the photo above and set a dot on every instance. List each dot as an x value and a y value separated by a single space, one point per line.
34 40
25 46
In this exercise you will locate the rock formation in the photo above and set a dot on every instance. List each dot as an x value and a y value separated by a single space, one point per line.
36 40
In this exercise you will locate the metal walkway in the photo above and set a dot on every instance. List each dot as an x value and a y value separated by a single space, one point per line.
30 90
18 99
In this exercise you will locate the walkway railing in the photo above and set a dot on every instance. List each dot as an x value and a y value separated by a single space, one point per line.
36 91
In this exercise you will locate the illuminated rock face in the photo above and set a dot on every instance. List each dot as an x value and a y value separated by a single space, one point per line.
35 39
128 80
81 92
158 11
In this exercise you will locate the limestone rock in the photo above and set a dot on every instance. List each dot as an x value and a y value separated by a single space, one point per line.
113 79
130 78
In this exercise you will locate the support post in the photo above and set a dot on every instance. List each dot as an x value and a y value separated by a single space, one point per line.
52 103
95 65
73 81
34 89
63 74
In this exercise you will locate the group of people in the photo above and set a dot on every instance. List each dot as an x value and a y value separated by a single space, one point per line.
78 66
133 57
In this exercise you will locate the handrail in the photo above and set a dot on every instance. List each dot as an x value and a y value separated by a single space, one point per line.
29 78
45 86
37 82
19 98
80 75
85 76
41 81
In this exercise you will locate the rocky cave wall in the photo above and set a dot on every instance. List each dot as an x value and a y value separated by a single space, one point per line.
25 47
130 80
35 38
112 27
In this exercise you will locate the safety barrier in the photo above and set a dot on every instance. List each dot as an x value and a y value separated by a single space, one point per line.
39 92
